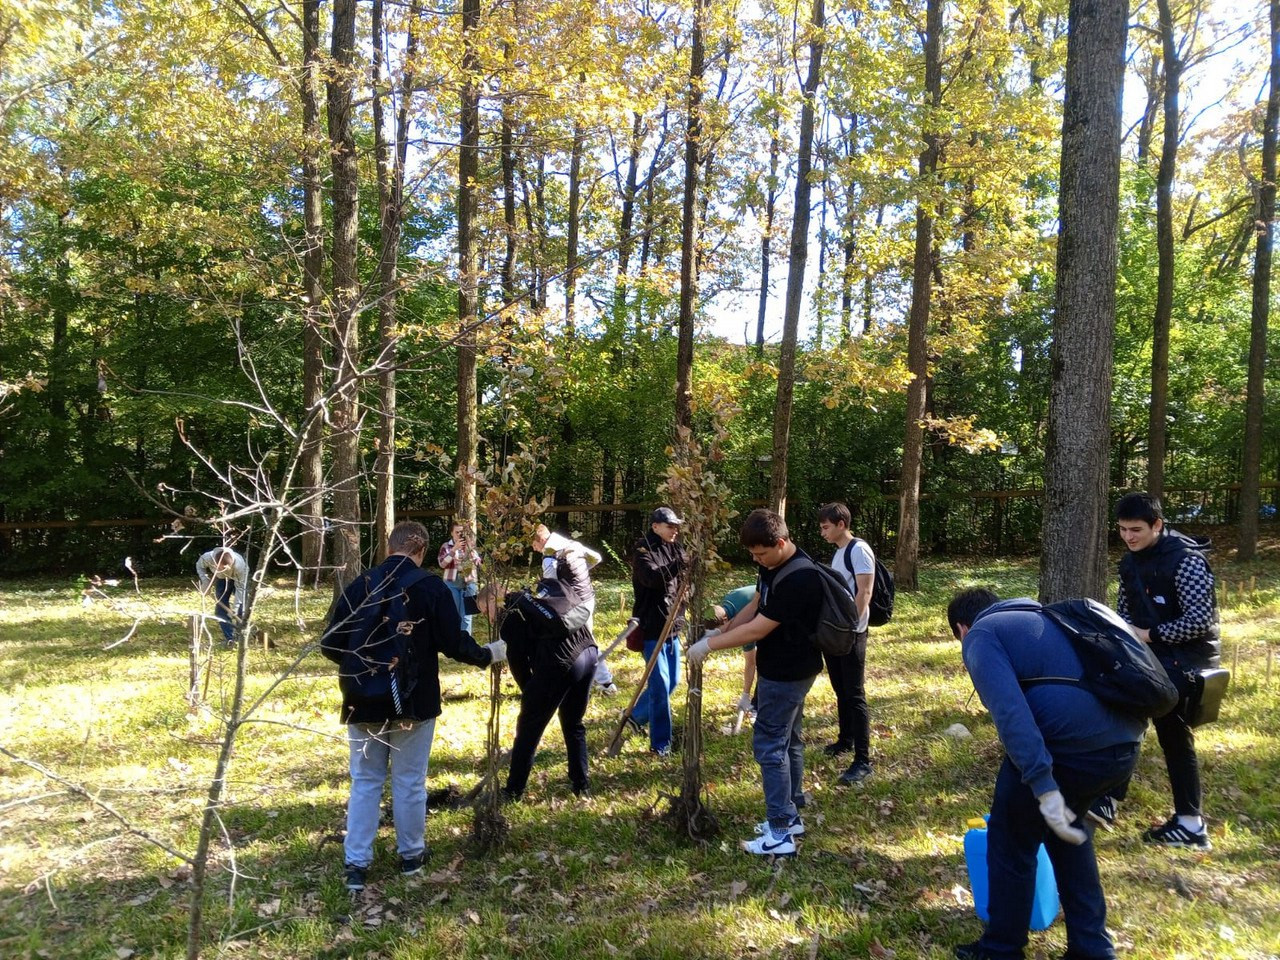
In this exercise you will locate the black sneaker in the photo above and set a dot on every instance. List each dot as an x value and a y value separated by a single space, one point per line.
837 749
1103 812
582 790
971 951
857 772
1173 834
411 865
356 877
510 796
632 725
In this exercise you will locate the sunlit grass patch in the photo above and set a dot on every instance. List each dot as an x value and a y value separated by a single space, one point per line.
881 869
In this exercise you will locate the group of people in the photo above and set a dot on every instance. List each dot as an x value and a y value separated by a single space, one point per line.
1069 755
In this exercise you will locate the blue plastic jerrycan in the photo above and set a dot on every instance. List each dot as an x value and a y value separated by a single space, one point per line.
1044 906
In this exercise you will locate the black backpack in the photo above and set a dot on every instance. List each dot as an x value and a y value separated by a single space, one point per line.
838 617
1119 669
550 612
880 610
380 663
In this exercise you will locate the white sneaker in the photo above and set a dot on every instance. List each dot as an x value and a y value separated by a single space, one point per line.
608 689
796 828
766 846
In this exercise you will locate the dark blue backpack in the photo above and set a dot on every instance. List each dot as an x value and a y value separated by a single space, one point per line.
1118 668
379 664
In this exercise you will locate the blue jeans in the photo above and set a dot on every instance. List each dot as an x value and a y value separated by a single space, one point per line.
461 589
226 589
405 747
1014 835
655 708
779 746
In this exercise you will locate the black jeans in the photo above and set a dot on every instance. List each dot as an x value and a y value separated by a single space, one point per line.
848 680
1014 835
1178 742
544 692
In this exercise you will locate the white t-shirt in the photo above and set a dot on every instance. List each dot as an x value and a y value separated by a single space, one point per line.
861 561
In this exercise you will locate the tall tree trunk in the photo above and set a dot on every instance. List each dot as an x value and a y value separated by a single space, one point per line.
689 224
1249 493
509 192
345 440
572 232
906 562
468 282
311 470
390 160
626 219
1163 318
1073 557
849 239
795 264
770 206
1147 125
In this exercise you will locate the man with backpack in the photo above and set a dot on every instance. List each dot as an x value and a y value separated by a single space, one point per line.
1064 747
552 653
855 562
385 633
781 620
1167 593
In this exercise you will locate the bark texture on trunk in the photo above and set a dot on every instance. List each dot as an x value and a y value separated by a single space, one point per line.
1249 493
1073 558
797 259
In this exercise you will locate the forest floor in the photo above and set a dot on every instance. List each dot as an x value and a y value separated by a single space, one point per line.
880 873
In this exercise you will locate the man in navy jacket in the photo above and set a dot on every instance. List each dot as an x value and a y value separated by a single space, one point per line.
1063 749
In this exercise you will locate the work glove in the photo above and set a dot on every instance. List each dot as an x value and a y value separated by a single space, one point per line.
697 652
1059 817
707 635
744 703
631 625
498 651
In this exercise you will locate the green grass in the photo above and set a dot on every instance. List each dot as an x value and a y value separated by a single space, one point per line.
880 874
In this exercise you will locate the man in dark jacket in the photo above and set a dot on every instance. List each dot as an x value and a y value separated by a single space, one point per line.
1063 747
1167 593
379 736
656 564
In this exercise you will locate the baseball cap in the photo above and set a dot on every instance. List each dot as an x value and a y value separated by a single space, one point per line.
665 515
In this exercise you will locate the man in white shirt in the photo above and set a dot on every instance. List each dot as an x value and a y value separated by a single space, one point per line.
854 561
226 573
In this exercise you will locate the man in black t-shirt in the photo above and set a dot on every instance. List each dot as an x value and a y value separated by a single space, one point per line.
781 621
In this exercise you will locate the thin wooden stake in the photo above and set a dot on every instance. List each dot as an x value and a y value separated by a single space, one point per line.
193 658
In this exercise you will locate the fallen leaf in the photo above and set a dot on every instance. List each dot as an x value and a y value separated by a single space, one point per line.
878 950
737 888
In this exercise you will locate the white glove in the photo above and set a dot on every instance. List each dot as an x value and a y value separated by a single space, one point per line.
710 633
697 652
631 624
497 650
1059 817
744 703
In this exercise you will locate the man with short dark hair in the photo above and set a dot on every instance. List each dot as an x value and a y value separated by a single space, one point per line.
781 620
855 562
1167 593
657 561
1063 748
378 736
